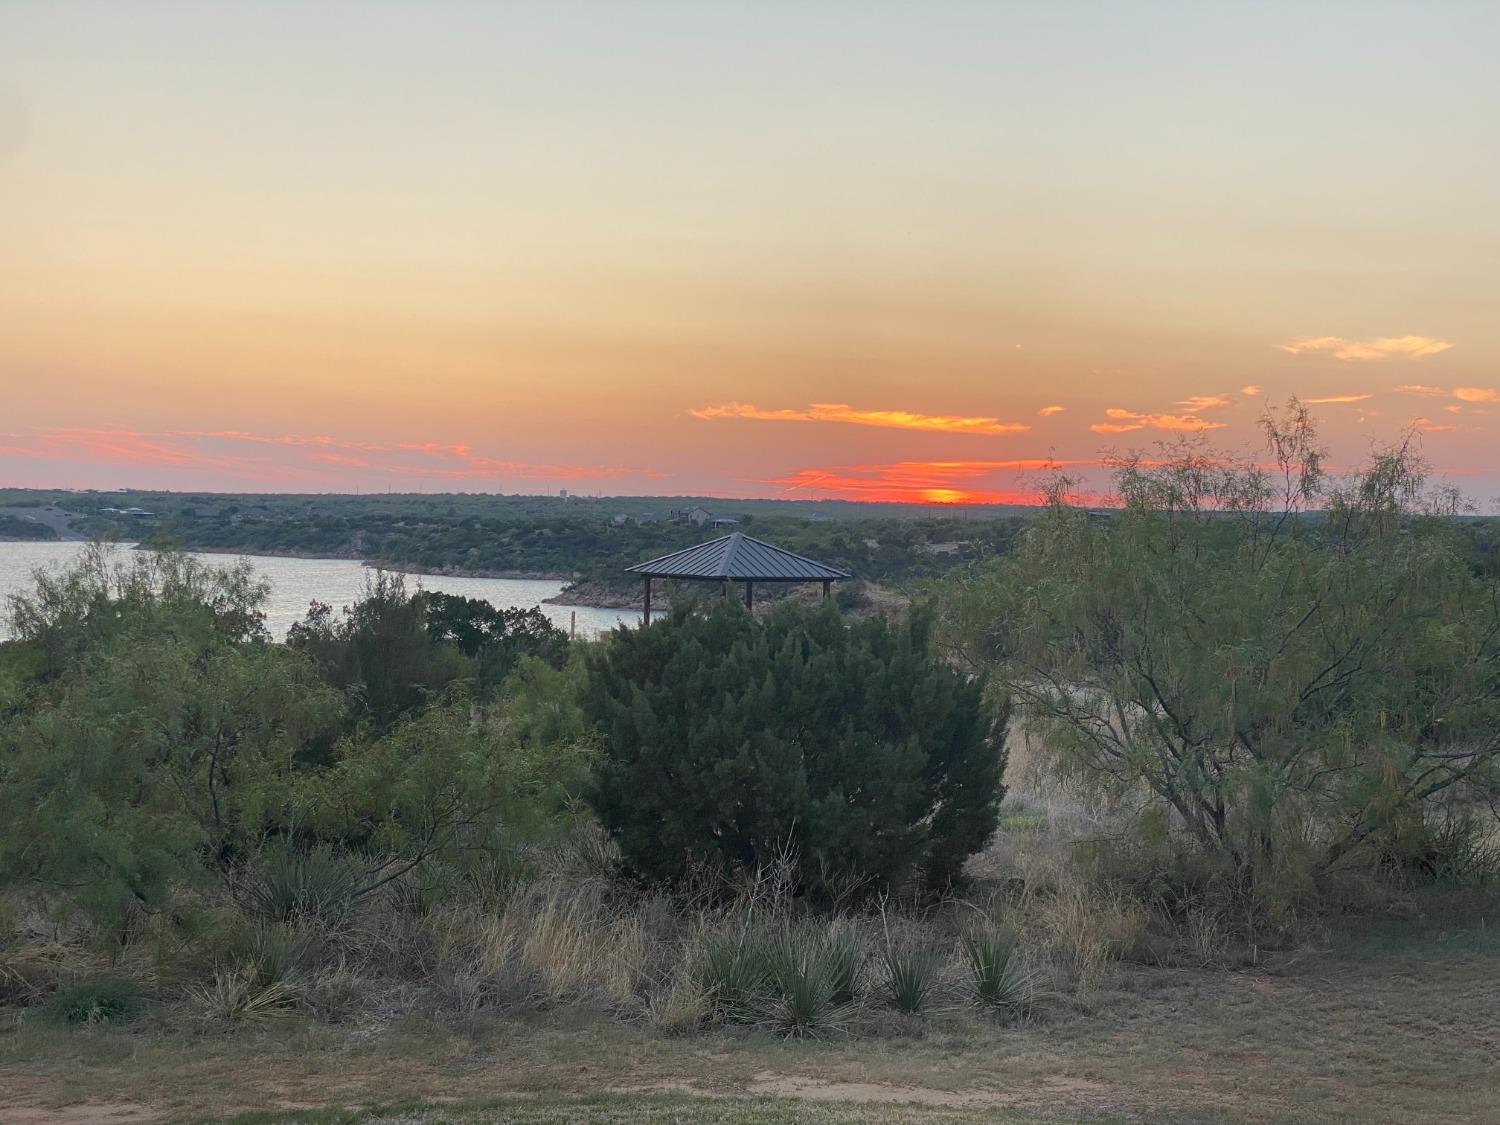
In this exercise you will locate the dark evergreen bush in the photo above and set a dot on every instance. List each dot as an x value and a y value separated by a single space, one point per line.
732 743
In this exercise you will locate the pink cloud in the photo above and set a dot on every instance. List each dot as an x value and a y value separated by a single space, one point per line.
308 459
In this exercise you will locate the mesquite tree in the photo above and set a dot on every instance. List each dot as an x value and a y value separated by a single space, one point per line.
1278 658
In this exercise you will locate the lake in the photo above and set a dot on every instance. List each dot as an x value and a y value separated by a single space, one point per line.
295 583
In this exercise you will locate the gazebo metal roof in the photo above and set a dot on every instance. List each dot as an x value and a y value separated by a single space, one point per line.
738 558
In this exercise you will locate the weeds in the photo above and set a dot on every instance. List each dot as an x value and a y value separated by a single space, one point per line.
106 1000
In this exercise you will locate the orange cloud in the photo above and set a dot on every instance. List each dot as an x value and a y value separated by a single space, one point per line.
1426 425
1381 347
1251 391
1048 411
1195 403
1420 389
1336 400
1126 421
1476 394
844 413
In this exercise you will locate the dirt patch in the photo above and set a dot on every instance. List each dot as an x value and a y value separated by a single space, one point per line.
770 1084
90 1113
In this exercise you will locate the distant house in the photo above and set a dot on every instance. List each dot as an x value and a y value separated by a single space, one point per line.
701 517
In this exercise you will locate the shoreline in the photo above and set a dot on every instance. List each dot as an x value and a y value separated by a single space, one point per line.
381 564
562 597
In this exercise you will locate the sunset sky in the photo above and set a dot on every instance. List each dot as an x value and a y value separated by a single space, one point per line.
868 250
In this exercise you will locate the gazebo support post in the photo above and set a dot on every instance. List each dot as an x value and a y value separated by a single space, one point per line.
646 616
827 586
724 589
749 594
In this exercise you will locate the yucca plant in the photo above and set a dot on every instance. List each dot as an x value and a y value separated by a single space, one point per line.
812 978
288 884
802 1006
997 976
844 957
911 978
235 996
269 952
805 986
733 972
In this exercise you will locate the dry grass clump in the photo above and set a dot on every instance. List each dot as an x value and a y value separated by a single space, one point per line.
549 945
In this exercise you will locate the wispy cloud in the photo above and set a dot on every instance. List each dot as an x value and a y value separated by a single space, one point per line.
1252 390
838 412
1337 400
1428 426
1420 389
1126 421
1381 347
1048 411
1476 394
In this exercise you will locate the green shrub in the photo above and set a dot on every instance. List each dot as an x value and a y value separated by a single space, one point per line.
99 1001
732 741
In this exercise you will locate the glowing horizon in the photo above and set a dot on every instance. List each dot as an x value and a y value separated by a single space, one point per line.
723 249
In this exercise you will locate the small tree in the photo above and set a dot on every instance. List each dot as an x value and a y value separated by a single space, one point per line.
1282 661
732 743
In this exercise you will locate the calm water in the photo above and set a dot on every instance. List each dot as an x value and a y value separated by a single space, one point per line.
297 582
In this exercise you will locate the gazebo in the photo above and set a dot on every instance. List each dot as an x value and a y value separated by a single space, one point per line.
736 558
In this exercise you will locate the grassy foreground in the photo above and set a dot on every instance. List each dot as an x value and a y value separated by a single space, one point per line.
1396 1025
